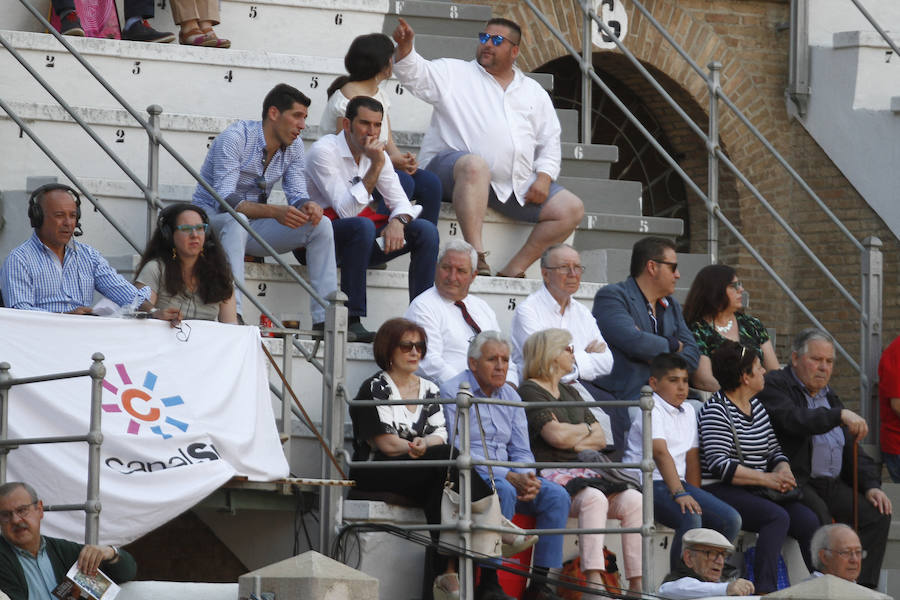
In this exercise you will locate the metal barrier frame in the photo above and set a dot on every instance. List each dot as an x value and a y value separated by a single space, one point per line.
94 438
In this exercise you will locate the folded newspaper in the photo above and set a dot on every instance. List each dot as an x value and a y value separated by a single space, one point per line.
77 586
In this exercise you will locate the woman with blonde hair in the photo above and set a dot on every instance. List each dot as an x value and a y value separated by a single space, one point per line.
572 434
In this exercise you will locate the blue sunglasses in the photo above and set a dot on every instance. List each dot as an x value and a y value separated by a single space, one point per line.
495 39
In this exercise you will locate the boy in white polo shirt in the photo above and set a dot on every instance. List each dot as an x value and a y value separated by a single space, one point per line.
678 501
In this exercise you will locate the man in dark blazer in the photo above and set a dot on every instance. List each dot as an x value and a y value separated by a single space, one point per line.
817 434
639 319
28 558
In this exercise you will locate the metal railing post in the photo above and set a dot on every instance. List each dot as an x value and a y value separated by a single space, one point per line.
95 439
464 464
587 56
287 360
647 466
712 145
154 110
871 344
5 379
798 60
333 379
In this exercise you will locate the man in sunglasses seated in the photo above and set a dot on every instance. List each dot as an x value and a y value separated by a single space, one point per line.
243 165
32 565
493 141
699 575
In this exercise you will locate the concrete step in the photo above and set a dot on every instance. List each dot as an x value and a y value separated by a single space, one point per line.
606 195
438 18
211 82
568 122
877 72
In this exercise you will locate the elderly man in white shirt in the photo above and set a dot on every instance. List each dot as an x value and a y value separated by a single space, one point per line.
493 140
451 316
343 170
553 306
700 573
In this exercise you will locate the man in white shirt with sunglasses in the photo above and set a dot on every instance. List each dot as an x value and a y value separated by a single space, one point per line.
493 141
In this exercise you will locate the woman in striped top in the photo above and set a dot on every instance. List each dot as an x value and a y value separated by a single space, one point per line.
747 458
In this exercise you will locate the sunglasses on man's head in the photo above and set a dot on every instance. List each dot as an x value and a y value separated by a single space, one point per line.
495 39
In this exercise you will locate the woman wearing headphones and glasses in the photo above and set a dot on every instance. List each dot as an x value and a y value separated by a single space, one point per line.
185 267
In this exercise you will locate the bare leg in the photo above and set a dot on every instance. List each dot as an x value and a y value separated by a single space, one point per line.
560 216
472 180
635 583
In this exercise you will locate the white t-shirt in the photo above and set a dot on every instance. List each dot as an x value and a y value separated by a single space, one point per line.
337 107
677 426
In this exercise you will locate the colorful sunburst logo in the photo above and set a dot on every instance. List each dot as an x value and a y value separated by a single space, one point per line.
140 405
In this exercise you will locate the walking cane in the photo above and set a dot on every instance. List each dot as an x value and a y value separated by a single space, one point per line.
856 486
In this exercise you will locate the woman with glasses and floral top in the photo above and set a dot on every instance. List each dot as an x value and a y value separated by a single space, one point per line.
714 312
186 268
739 449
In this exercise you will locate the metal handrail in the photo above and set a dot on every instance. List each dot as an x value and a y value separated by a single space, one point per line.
465 464
713 208
94 437
877 27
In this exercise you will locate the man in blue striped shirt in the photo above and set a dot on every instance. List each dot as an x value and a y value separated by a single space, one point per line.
52 272
243 164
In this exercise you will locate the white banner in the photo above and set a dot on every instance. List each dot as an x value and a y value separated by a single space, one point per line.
179 418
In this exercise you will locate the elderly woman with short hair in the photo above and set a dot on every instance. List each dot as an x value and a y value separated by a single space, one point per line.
560 435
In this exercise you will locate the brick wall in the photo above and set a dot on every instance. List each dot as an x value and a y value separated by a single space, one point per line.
750 39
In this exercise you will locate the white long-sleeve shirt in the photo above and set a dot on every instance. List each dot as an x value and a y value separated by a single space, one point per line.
540 311
687 588
334 180
448 333
515 130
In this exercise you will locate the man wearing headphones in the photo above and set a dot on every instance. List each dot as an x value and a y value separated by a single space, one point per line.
51 272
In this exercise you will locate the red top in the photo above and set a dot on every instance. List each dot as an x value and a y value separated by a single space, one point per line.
889 387
366 212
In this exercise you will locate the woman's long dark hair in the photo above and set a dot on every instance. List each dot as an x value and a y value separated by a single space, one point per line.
708 294
367 56
214 282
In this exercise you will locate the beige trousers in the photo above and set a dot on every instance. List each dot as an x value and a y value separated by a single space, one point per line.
202 10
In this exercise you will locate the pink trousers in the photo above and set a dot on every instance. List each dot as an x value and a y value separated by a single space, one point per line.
592 509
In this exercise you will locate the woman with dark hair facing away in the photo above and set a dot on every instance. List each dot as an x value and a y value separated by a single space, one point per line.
563 434
186 268
410 431
739 449
369 61
714 312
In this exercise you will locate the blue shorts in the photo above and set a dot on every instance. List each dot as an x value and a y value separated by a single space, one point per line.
442 165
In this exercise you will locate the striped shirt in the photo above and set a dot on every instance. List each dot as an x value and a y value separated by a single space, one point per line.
235 161
33 278
759 445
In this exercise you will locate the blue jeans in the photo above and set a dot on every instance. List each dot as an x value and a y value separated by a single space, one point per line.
355 248
716 514
772 522
892 462
425 188
550 506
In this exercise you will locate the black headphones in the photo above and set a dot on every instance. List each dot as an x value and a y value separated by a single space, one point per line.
36 211
165 222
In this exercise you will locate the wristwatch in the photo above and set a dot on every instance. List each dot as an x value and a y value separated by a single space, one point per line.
404 219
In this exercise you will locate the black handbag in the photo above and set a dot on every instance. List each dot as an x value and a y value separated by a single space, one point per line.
778 497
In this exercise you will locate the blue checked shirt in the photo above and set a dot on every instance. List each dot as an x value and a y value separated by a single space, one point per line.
505 427
33 279
235 161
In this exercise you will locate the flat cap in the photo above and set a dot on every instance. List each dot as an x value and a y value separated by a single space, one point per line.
706 537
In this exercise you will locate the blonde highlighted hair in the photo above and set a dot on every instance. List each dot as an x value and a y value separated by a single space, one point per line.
541 349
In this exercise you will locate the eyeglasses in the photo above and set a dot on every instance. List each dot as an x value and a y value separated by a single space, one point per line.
673 265
408 346
849 553
189 229
495 39
737 285
712 554
21 512
182 332
574 269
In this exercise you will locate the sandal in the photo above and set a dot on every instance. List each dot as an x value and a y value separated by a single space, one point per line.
439 589
519 276
513 543
194 37
216 41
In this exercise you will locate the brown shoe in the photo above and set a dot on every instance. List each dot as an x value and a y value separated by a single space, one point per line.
518 276
483 267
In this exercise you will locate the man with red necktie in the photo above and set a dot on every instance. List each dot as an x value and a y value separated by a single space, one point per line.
451 316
